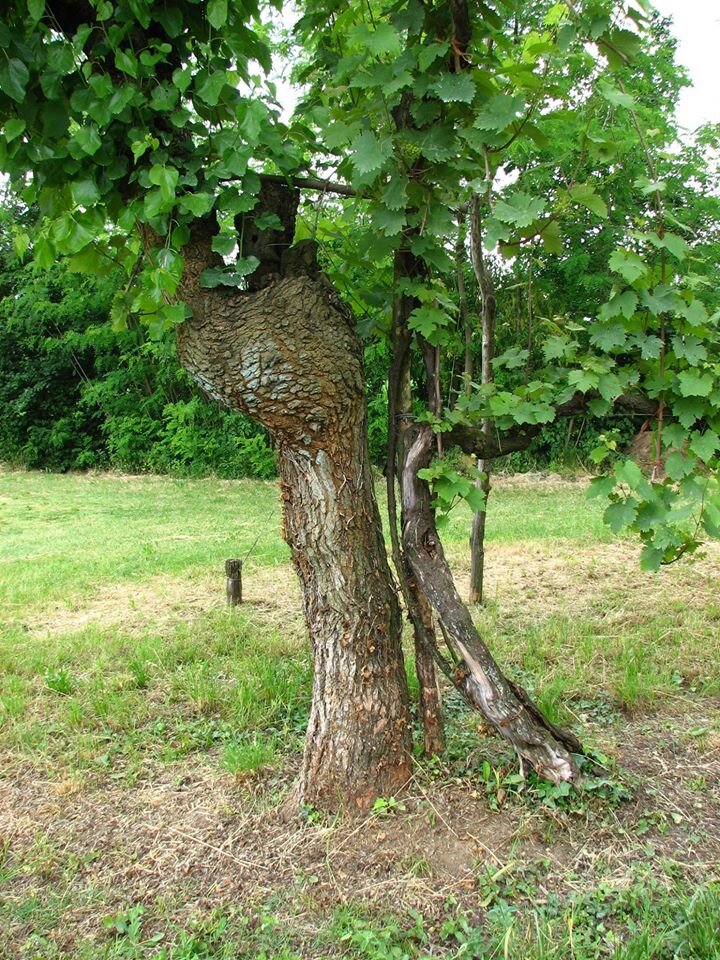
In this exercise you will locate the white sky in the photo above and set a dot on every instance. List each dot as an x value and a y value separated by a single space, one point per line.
697 28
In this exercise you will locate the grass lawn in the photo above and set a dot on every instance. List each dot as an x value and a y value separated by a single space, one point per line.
149 739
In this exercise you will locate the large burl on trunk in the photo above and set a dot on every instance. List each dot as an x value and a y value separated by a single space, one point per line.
287 356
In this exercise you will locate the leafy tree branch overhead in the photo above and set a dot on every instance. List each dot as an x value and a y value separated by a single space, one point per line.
148 139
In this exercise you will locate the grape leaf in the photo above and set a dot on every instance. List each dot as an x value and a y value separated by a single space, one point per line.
429 54
691 348
429 321
628 264
695 384
382 40
624 303
584 194
499 112
369 153
608 336
705 444
454 88
389 222
620 514
688 410
520 209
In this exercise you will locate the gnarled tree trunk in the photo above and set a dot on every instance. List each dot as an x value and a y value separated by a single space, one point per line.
288 357
506 706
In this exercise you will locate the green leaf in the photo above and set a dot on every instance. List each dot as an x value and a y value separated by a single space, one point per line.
584 194
369 153
196 203
21 242
13 128
253 117
624 304
616 97
394 195
678 465
704 445
650 345
552 238
44 253
429 54
583 380
36 9
691 348
268 221
229 276
621 514
88 139
182 78
211 87
676 245
651 558
629 473
620 46
499 112
599 407
610 386
520 209
475 499
170 261
601 487
84 192
429 321
14 76
661 299
688 410
217 13
454 88
338 134
224 243
514 358
381 40
555 348
628 264
695 313
166 178
389 222
692 383
154 204
126 61
528 412
608 336
647 186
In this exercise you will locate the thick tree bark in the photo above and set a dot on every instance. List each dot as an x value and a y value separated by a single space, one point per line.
287 355
503 704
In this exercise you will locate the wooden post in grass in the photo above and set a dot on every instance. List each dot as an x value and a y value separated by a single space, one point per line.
233 570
